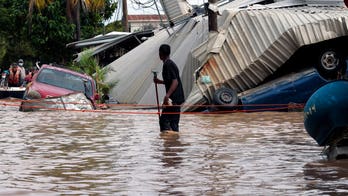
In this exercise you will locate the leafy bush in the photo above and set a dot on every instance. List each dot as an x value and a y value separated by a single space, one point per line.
89 65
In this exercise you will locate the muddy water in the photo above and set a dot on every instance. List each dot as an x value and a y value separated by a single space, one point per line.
73 153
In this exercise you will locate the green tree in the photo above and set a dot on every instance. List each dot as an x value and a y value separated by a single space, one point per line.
73 10
40 30
50 31
74 7
13 34
90 65
4 20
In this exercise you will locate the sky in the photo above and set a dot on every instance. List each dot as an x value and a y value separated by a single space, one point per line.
134 9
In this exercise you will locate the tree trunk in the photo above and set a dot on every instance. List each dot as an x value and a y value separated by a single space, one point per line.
78 21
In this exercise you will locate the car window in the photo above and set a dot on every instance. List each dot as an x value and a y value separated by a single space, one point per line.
65 80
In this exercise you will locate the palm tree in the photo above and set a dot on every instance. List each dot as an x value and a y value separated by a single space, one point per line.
90 65
73 9
39 4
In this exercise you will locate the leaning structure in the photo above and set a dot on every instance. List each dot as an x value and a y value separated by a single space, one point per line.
253 41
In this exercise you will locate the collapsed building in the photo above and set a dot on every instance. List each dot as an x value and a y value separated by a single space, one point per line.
254 40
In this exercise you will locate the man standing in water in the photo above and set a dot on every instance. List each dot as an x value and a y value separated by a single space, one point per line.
169 119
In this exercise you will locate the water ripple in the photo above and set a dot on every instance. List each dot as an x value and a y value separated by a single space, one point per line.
101 154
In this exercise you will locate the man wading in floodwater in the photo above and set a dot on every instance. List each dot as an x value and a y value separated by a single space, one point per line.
174 91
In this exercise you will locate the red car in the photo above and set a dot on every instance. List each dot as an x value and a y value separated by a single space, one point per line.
53 81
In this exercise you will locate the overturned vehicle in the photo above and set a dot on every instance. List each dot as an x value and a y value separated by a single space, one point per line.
256 45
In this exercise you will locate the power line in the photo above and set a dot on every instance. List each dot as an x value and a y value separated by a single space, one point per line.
137 4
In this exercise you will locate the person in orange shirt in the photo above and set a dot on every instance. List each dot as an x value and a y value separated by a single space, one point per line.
28 76
14 77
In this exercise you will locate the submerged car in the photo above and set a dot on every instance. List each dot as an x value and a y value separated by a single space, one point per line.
54 81
287 92
71 102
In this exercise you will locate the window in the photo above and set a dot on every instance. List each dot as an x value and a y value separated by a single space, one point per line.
65 80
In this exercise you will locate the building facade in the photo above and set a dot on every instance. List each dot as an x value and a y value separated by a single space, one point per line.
145 22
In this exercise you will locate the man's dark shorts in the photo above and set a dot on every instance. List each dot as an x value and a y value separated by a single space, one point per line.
170 121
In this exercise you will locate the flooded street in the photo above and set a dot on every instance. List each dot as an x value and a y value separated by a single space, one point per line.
83 153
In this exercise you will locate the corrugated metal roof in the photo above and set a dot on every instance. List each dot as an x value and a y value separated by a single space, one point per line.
252 44
133 71
176 10
279 3
102 43
99 39
328 2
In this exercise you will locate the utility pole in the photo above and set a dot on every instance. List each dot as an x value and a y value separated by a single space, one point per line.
212 15
125 16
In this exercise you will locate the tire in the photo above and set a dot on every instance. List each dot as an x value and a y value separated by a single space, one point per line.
330 62
226 97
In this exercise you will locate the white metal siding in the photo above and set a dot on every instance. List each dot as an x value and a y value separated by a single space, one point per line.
176 9
255 43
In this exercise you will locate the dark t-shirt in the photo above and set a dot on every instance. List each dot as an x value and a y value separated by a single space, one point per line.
170 72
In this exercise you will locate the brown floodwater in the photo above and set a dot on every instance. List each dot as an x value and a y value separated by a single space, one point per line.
85 153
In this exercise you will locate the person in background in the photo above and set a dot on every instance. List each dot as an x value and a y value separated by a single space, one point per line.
21 66
28 76
169 119
14 77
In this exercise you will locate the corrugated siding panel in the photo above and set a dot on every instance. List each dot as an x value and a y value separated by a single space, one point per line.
331 2
133 71
282 3
258 42
176 9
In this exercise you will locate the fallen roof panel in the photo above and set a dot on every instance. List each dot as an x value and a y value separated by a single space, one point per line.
253 43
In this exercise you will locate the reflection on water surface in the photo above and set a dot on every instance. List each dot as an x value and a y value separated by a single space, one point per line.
94 153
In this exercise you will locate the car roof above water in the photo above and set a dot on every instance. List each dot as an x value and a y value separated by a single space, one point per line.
65 69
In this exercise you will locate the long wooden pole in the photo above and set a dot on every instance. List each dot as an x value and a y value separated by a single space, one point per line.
158 106
157 100
125 16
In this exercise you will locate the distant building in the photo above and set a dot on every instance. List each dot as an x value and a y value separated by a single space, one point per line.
145 22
